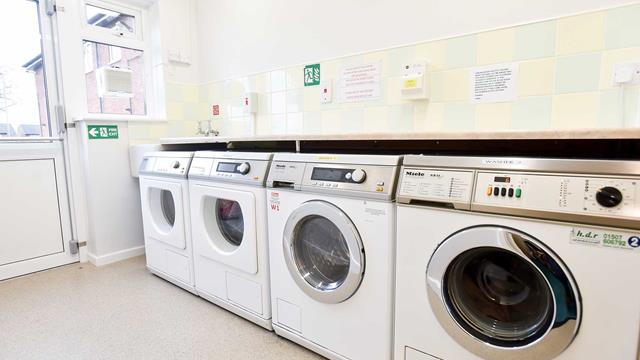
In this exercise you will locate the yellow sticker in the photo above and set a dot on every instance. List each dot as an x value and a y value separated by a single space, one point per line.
329 158
410 83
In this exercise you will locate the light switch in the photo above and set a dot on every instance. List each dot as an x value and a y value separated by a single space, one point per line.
326 92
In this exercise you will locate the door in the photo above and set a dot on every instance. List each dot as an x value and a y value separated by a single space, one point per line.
224 226
503 294
162 211
324 252
35 209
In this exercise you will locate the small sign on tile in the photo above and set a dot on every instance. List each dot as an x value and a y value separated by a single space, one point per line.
215 110
312 75
494 83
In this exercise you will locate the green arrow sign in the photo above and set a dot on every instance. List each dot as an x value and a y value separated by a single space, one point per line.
103 131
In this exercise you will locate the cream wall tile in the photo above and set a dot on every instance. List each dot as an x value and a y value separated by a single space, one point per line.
139 131
233 89
295 100
279 102
436 86
432 52
611 110
493 116
215 91
295 77
461 52
175 129
536 40
312 122
330 70
330 121
278 124
264 103
278 80
610 59
456 85
382 57
420 109
263 124
580 33
536 77
351 120
532 113
458 116
295 123
174 92
399 57
401 118
311 98
394 96
157 131
575 110
578 73
435 117
175 111
496 46
376 119
623 27
259 83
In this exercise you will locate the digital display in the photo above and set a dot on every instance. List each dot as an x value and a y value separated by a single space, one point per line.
329 174
227 167
502 179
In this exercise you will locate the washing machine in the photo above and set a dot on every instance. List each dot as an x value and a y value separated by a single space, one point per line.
164 195
518 258
331 245
229 223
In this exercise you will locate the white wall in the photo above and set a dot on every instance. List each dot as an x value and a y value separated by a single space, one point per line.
242 37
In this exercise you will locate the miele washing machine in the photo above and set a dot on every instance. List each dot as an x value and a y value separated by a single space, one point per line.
164 195
518 259
229 226
331 245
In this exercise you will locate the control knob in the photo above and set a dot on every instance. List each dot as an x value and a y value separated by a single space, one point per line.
176 164
244 168
358 176
609 197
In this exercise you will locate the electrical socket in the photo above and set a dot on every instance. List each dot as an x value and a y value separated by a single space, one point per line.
626 73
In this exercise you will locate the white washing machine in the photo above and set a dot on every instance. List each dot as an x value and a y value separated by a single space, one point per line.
165 215
514 258
331 245
229 222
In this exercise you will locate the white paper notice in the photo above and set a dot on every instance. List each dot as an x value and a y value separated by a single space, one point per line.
495 83
359 83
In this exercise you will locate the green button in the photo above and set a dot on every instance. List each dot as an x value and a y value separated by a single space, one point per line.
518 192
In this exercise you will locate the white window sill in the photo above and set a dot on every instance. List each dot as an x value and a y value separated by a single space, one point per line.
118 118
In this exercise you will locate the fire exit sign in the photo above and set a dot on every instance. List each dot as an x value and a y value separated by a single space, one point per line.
102 131
312 75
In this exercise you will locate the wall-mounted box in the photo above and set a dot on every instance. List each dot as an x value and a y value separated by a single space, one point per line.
414 84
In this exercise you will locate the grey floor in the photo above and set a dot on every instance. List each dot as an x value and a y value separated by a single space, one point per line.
120 311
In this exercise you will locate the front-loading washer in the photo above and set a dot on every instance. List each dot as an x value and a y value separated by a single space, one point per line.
164 196
515 258
331 246
229 226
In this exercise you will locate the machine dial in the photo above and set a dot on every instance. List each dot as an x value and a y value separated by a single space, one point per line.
358 176
244 168
609 196
176 164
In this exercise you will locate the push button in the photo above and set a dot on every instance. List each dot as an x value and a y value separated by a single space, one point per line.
496 191
518 192
510 193
503 191
489 190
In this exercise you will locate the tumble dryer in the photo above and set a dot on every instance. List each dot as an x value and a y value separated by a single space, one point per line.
515 258
229 221
331 245
165 216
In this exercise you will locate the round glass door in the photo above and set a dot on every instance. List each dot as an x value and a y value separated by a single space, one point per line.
324 252
230 220
497 290
168 206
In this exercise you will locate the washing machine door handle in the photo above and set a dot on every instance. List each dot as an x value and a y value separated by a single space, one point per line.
476 261
323 252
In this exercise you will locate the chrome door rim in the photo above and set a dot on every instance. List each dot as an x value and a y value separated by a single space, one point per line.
354 243
558 335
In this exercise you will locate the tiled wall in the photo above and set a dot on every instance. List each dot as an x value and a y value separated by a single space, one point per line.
565 81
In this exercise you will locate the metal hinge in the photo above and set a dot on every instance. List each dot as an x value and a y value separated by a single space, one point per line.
59 109
75 245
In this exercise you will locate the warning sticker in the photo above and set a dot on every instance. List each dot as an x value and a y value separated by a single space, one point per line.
605 238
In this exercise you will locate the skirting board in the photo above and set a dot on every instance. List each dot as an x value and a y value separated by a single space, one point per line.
116 256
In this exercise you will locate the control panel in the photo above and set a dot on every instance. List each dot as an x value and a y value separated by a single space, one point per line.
437 185
588 195
349 177
165 166
252 171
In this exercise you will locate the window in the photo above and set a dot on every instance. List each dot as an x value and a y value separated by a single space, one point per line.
115 72
101 56
23 95
119 23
